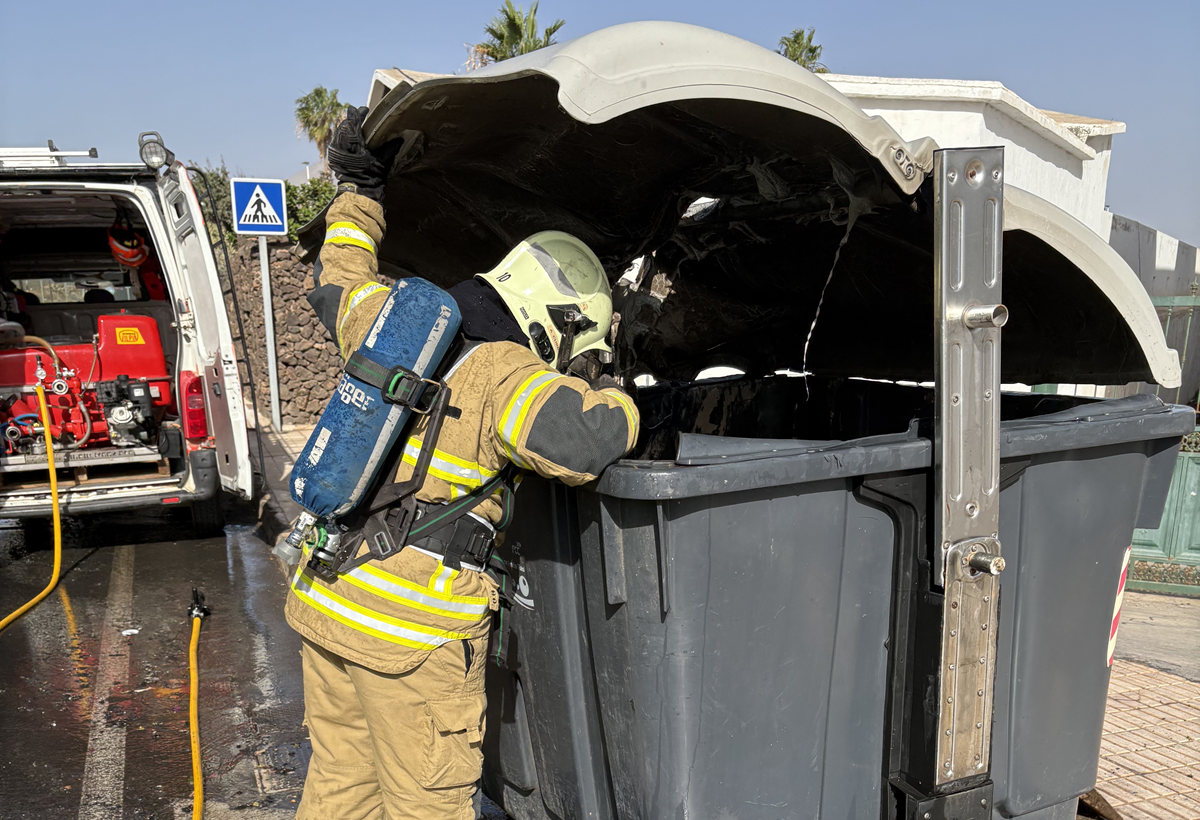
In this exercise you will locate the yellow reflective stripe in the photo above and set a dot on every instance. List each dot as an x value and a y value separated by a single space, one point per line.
356 298
448 467
390 592
455 460
518 408
538 388
623 400
369 622
470 600
347 233
437 472
442 577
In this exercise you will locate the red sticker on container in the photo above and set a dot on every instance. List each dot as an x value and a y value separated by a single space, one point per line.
1116 619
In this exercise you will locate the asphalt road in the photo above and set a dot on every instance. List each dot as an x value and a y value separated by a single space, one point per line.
1161 631
94 681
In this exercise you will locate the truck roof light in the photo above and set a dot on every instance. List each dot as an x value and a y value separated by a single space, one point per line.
152 151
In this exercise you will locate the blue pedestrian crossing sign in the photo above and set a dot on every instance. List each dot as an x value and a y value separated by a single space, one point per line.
259 206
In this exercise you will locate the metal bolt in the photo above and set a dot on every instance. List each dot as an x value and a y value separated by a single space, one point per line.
978 725
899 154
947 764
980 693
987 598
954 399
950 177
983 627
945 546
984 802
947 733
972 509
988 564
983 660
953 632
949 700
928 815
971 174
996 174
951 666
987 395
954 604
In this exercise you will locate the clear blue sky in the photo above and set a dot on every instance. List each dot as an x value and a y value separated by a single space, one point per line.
218 79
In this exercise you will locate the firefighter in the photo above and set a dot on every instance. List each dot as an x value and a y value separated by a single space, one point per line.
394 651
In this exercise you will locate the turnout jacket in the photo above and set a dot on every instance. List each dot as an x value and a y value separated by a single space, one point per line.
511 407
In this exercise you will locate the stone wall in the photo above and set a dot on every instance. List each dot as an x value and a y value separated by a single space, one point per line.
309 364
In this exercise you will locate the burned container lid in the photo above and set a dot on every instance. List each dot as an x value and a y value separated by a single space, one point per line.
742 178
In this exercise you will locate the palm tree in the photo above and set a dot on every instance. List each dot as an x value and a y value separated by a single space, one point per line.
318 114
512 32
801 50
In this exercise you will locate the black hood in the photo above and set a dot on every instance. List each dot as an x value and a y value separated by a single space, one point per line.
485 317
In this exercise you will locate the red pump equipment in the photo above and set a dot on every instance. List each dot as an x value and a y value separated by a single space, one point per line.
113 390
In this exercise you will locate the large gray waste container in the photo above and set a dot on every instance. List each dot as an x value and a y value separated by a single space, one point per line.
751 627
749 634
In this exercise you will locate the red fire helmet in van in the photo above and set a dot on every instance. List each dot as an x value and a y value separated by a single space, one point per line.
126 244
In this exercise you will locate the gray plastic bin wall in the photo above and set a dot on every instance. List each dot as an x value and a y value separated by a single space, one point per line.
713 642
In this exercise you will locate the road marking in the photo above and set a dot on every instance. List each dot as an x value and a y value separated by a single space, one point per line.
103 792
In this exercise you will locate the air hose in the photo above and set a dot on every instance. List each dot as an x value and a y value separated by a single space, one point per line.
41 394
197 612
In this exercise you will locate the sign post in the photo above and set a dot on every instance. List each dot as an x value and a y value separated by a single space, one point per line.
260 207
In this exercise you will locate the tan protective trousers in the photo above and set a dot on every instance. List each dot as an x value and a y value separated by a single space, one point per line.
394 747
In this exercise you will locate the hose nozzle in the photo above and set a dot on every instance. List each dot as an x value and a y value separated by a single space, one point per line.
198 609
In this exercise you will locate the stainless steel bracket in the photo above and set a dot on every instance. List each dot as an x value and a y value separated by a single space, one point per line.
968 224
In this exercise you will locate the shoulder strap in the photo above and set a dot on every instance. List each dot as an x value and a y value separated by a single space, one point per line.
391 527
443 515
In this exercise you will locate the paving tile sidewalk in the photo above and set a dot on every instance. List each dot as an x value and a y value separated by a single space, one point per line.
280 451
1150 753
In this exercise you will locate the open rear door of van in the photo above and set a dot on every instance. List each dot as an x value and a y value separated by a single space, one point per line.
223 389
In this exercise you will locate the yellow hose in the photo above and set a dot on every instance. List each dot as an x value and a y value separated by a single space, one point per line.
41 394
194 723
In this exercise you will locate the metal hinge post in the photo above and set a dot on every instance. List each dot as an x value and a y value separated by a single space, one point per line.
969 231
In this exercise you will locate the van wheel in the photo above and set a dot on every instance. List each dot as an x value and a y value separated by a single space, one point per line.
208 519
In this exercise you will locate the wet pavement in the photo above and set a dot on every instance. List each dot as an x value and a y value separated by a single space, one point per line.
94 681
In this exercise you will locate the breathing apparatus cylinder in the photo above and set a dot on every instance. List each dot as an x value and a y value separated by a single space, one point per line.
361 423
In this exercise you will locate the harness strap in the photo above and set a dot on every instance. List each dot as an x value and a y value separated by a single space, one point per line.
393 526
398 384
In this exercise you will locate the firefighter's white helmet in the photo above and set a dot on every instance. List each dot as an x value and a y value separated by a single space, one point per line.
553 284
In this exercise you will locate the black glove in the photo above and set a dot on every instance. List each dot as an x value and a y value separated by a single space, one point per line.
350 159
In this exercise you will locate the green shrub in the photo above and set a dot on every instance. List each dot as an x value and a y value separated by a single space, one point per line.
306 201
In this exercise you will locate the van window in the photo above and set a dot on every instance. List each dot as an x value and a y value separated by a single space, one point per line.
77 288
